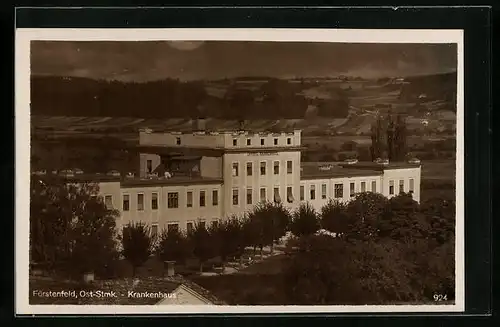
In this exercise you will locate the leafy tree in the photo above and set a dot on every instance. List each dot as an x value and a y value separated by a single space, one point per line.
334 217
137 243
268 222
440 215
335 271
402 220
71 230
305 220
400 136
232 238
365 211
172 246
201 243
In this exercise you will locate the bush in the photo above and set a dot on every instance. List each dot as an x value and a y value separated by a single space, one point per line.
305 221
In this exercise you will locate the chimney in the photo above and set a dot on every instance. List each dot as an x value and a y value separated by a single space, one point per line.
198 124
170 268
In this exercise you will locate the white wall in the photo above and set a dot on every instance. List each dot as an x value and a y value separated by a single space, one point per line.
257 181
164 215
187 139
211 167
255 139
402 174
330 183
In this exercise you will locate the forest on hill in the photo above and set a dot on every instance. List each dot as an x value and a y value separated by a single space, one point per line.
170 98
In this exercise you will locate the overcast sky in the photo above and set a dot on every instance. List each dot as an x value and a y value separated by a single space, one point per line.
153 60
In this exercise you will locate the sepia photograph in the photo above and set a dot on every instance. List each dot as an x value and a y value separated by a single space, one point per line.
203 172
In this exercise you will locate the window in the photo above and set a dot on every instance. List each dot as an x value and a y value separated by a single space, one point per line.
391 187
215 223
178 140
263 168
249 196
140 202
289 195
249 169
363 186
275 141
249 142
289 166
202 224
215 197
235 169
154 230
235 197
235 142
401 186
374 186
108 201
276 167
302 192
277 197
149 165
339 191
173 200
202 198
126 202
189 202
412 185
263 196
323 191
189 227
312 192
154 201
172 227
261 141
289 141
352 189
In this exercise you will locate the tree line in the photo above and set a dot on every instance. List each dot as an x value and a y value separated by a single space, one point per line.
171 98
383 250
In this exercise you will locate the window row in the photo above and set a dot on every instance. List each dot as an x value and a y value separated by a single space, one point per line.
263 141
172 200
411 186
263 168
190 225
262 195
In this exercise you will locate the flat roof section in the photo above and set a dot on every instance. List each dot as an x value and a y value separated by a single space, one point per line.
315 172
376 166
174 181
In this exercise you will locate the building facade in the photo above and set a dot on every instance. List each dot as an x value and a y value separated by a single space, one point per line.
185 178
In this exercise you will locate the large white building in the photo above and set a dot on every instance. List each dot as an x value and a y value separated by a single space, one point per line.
188 177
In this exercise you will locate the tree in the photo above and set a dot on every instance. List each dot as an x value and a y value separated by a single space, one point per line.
365 211
400 135
172 246
305 221
202 243
137 243
334 217
232 238
440 215
329 270
71 230
268 221
402 220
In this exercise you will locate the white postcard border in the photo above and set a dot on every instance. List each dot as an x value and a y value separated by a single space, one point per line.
23 137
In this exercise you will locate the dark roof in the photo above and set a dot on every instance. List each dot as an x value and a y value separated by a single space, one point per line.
376 166
120 287
90 178
181 151
176 180
312 172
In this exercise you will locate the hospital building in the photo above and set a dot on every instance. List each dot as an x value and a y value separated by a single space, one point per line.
201 176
